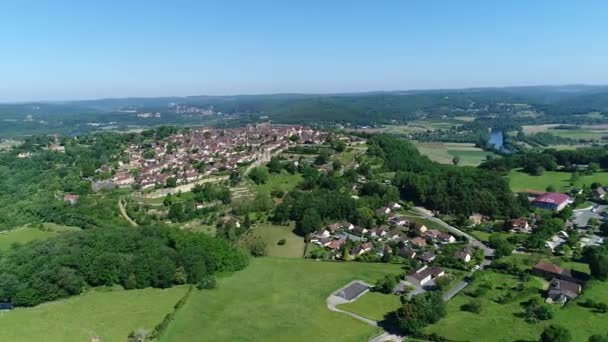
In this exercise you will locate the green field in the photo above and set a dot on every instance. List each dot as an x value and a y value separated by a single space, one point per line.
560 180
26 234
283 181
293 247
445 152
499 322
373 305
586 134
276 299
109 315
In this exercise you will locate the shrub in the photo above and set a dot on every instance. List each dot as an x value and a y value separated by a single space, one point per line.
473 306
206 283
282 242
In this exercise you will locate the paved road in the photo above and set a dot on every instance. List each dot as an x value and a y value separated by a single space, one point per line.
582 216
488 252
472 240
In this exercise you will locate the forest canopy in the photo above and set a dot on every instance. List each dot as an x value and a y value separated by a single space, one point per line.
67 265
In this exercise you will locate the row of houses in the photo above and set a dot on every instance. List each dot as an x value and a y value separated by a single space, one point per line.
414 240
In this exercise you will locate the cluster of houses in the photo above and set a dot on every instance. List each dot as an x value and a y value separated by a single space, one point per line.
200 152
409 240
564 284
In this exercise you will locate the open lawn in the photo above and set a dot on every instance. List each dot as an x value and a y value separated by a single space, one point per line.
276 299
560 180
445 152
282 181
293 247
110 315
26 234
373 305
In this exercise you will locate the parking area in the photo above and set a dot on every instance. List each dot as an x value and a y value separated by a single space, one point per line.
582 217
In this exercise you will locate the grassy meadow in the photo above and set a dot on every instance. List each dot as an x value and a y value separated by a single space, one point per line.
271 234
110 315
24 235
560 180
276 299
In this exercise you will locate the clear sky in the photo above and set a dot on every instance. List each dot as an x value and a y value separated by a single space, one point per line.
59 49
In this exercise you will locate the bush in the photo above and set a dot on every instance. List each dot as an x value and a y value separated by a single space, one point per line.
206 283
473 306
282 242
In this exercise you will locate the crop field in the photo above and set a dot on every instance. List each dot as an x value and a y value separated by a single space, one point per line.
109 315
276 299
445 152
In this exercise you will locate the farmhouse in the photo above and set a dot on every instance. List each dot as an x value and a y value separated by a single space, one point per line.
427 256
362 249
551 201
464 255
476 218
548 270
70 198
599 193
424 275
418 241
407 253
520 225
561 291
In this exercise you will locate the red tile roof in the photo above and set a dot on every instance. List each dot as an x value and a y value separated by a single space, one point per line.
552 197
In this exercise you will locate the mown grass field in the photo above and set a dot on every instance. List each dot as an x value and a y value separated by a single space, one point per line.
109 315
373 305
445 152
271 234
501 322
560 180
26 234
276 299
283 181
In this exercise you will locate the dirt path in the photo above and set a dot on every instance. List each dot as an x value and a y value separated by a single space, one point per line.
123 212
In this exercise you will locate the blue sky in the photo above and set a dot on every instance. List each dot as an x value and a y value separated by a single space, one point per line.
51 50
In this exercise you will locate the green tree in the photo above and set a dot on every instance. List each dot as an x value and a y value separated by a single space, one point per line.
336 165
275 166
259 175
310 222
322 158
456 160
555 333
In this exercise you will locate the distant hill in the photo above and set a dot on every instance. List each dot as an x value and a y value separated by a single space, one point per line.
549 104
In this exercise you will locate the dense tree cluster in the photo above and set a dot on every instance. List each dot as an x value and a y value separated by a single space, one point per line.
419 311
535 163
447 188
311 209
134 258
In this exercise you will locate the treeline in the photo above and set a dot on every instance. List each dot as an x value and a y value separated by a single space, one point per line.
448 189
133 258
536 162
